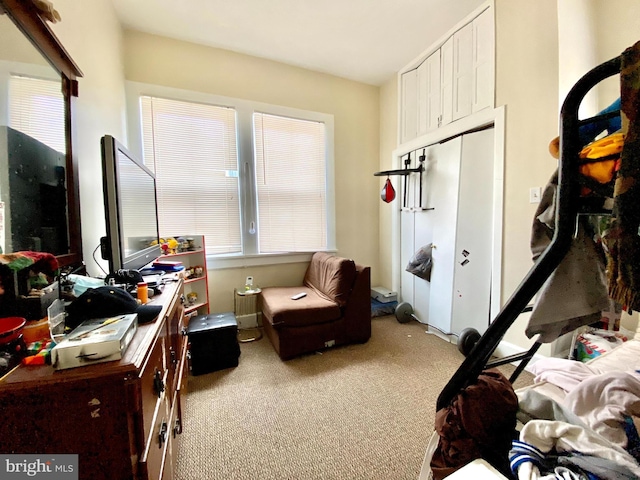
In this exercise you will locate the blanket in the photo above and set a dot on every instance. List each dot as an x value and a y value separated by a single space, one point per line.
621 239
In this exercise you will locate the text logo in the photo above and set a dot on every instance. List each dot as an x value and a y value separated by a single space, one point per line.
50 467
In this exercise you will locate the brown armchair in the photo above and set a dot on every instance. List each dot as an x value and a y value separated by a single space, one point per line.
335 311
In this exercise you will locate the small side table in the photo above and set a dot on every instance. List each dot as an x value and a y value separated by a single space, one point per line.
247 312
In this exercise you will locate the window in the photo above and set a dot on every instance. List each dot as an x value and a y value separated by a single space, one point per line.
192 149
291 183
256 180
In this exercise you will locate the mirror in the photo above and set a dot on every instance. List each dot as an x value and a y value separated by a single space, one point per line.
39 208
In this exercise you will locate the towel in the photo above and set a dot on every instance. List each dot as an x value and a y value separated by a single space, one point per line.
575 293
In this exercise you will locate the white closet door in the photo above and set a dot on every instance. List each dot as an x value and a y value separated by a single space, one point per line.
409 185
444 166
423 235
473 246
407 248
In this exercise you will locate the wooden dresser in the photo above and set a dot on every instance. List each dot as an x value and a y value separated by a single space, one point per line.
122 418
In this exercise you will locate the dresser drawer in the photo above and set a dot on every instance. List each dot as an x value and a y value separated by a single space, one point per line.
153 384
155 453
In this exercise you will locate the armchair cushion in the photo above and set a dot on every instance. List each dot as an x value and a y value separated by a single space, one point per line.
331 276
312 309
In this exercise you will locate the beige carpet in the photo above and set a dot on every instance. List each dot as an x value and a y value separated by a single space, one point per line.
355 412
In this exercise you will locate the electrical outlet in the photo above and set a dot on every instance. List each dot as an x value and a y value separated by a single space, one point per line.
534 194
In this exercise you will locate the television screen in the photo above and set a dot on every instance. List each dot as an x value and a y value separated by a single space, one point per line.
130 209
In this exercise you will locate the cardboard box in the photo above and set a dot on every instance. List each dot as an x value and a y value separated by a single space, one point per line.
95 341
35 307
383 295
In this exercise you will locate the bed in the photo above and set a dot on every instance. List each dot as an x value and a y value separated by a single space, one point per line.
578 421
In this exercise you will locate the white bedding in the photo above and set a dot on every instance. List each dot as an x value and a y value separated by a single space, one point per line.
597 396
550 372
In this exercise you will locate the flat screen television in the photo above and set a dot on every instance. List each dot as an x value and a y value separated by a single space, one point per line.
131 211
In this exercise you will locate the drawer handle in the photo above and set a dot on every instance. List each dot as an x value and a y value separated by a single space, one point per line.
162 436
183 300
158 384
177 428
174 358
183 332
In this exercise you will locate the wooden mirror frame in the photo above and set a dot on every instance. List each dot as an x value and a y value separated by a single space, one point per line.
25 16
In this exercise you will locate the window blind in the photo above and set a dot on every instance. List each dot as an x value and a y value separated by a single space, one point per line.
290 162
36 108
192 149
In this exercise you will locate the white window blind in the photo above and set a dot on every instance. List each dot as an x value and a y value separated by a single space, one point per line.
36 108
290 162
192 149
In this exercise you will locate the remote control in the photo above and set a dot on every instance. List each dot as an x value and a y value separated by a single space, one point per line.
298 296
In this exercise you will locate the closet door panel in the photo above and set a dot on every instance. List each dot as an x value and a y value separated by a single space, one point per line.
446 82
409 102
444 161
472 283
421 287
407 249
462 71
433 91
422 95
483 61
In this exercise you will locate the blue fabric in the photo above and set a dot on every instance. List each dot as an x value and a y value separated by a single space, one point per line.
589 131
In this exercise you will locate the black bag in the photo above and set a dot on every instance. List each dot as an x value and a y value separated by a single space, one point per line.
420 263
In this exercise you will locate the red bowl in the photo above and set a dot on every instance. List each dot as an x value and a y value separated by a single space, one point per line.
11 329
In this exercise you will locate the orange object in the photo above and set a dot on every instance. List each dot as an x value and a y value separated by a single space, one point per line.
34 360
143 292
36 330
602 171
609 145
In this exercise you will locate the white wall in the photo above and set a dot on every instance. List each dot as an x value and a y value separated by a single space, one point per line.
92 35
576 49
527 83
617 28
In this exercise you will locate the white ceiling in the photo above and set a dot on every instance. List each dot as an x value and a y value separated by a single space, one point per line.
363 40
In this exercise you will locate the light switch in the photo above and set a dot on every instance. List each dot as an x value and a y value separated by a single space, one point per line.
535 194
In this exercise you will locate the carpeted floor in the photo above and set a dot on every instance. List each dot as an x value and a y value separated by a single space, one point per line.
355 412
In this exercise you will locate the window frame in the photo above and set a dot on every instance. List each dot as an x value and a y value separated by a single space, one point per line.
247 183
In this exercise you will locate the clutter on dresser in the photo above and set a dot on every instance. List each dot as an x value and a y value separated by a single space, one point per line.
27 284
107 301
12 343
95 341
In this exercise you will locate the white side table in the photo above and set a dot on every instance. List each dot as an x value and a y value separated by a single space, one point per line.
247 313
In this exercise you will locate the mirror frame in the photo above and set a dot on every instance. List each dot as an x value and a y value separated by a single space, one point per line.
25 16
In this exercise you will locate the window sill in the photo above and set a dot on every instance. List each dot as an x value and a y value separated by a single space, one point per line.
218 262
